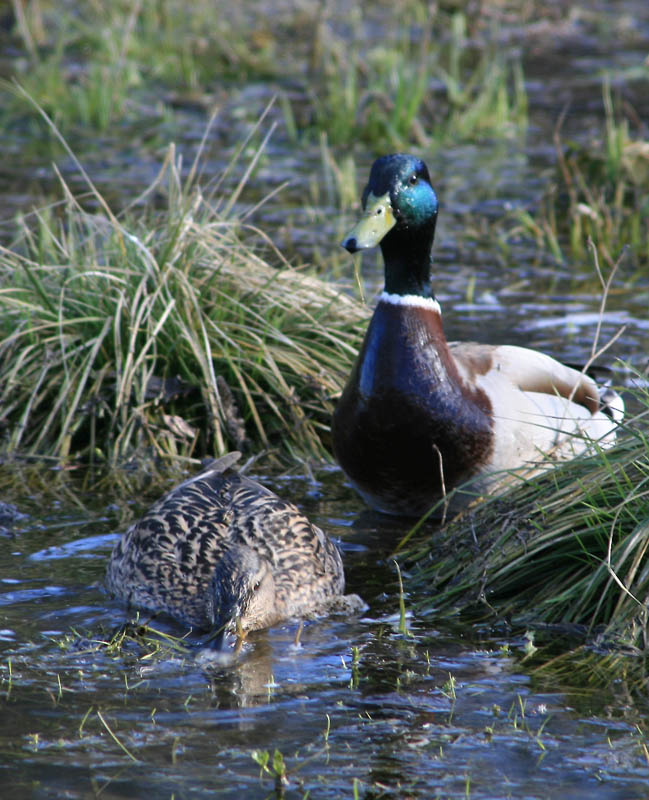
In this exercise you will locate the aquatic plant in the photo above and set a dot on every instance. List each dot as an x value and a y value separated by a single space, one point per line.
91 65
95 65
567 547
600 192
274 767
417 89
165 331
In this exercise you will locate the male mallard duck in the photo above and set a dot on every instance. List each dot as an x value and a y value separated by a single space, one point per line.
413 401
221 552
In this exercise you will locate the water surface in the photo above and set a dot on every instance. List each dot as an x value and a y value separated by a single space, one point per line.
449 710
445 710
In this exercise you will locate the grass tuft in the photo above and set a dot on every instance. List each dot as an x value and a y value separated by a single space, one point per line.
567 547
600 193
166 332
92 66
418 89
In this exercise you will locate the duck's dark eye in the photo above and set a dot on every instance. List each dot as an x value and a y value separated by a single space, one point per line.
413 179
256 586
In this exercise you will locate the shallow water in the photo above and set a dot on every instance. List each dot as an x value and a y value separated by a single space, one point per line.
444 711
449 711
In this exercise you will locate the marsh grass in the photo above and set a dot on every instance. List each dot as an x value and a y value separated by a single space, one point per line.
79 73
93 65
568 547
101 65
600 192
592 664
166 333
417 91
139 638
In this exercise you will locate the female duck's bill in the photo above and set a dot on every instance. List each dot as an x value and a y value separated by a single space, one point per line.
420 417
223 554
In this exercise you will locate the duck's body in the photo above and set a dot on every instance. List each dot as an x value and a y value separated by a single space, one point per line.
419 416
220 551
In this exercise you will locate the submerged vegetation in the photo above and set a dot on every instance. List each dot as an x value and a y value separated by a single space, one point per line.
168 324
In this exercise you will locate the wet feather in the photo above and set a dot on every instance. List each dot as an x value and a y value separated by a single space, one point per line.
221 551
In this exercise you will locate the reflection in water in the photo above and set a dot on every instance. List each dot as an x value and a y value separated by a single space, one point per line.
434 711
246 683
449 711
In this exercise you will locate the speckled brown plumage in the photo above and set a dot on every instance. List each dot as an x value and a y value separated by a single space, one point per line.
221 548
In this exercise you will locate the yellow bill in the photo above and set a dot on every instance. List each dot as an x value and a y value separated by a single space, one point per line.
376 221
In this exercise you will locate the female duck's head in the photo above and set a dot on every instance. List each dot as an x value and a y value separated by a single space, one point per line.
399 213
242 593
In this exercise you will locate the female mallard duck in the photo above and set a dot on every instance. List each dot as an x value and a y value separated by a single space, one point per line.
419 416
221 552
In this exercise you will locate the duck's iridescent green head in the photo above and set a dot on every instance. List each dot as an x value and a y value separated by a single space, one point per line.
398 194
399 213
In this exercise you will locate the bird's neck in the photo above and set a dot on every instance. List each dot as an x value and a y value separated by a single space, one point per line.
407 257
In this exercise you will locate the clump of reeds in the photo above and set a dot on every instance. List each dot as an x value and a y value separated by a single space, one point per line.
568 546
432 80
165 332
90 65
600 193
417 88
